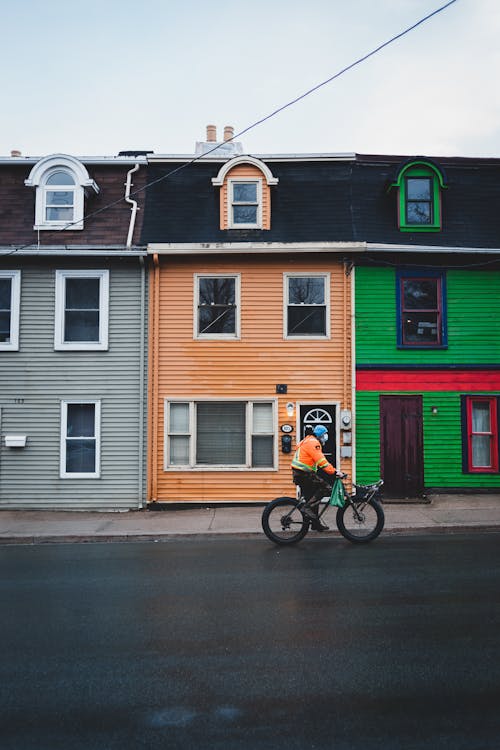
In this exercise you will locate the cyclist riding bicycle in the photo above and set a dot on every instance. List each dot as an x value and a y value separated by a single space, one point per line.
312 471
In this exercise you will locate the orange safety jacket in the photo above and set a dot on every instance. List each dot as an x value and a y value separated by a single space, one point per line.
309 456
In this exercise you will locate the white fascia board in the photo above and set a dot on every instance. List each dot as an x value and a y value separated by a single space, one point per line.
264 157
381 248
70 251
235 248
94 160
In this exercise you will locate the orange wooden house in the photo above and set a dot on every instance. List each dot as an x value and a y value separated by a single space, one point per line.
250 322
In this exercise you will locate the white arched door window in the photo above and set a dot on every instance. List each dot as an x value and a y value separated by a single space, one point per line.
316 417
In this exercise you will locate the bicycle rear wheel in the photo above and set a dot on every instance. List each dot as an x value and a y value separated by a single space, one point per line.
361 522
282 522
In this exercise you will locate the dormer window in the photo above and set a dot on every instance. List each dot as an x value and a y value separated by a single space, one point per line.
419 186
245 195
245 203
61 183
59 194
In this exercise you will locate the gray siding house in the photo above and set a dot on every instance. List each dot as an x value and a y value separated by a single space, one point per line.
73 333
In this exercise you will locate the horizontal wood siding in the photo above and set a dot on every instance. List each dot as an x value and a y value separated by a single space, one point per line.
36 379
442 441
367 437
248 368
473 319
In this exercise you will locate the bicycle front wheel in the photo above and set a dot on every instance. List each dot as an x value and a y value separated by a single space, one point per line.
360 522
282 522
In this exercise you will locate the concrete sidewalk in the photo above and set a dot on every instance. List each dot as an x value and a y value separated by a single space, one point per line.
444 513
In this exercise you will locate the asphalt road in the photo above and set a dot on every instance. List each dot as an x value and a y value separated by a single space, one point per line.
240 645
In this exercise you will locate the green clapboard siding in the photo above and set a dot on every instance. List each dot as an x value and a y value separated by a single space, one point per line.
473 302
442 441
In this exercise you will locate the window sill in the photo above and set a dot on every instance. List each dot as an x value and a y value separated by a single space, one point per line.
66 226
422 347
220 337
418 228
80 476
239 467
481 472
80 347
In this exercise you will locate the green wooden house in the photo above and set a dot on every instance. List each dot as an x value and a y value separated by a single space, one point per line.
427 322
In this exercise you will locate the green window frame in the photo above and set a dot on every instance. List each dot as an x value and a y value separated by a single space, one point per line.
419 187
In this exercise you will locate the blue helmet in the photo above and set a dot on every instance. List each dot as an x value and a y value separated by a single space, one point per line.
319 431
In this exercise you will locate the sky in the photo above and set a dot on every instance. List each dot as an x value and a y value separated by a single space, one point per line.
101 76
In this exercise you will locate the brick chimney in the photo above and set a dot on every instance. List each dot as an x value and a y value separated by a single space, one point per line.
227 148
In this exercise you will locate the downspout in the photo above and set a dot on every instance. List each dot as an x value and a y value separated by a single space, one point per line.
153 379
134 208
140 496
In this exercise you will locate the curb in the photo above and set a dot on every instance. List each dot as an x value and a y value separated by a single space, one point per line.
176 536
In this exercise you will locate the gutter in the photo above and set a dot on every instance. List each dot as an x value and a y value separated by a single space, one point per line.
71 250
235 248
382 248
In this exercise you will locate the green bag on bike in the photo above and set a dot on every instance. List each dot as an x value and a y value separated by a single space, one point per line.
337 496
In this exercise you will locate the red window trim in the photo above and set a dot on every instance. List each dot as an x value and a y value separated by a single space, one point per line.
438 310
493 433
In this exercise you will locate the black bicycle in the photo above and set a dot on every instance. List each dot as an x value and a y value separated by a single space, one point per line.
360 516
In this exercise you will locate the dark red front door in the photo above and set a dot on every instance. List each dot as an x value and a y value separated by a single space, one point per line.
401 445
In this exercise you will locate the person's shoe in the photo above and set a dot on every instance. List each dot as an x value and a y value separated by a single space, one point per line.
318 525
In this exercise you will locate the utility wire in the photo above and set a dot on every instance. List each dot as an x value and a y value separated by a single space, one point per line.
255 124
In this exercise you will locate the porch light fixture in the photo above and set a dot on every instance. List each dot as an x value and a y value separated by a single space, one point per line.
290 409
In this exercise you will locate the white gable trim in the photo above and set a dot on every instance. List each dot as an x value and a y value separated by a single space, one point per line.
219 180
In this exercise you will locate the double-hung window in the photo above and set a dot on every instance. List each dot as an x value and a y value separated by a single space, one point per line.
10 298
245 204
82 301
59 198
421 309
307 306
220 434
80 439
482 448
217 306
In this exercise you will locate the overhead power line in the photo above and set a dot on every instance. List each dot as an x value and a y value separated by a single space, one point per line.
255 124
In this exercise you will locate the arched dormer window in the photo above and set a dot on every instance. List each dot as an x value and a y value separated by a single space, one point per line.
61 184
245 195
419 186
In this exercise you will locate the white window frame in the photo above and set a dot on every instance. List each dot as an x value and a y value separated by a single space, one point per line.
102 344
314 336
96 474
230 202
41 221
38 177
237 296
15 307
192 465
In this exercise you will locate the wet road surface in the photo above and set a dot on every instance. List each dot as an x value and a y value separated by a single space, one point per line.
238 644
